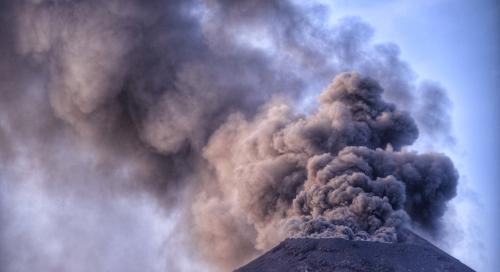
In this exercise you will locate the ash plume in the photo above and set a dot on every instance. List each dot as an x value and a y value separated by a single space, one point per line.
195 105
338 172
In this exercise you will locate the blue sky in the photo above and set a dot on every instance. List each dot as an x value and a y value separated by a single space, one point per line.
456 43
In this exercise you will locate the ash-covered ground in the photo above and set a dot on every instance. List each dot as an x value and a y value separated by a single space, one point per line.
341 255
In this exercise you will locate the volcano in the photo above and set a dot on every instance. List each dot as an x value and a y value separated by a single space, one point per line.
414 254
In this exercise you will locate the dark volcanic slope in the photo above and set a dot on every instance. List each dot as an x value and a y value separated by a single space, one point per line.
343 255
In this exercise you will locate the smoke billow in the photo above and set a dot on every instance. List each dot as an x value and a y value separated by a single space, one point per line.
198 105
338 172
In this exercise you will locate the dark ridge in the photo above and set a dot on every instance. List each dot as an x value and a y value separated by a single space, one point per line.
339 255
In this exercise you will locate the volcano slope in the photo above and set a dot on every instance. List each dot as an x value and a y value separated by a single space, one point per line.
414 254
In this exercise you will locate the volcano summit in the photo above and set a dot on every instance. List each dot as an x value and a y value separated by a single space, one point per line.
340 255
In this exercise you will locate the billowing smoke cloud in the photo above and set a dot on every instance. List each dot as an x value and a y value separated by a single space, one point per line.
198 104
338 172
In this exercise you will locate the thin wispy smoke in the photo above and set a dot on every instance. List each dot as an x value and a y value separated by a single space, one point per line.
433 113
195 105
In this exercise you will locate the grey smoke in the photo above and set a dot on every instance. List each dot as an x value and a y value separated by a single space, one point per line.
193 103
338 172
433 112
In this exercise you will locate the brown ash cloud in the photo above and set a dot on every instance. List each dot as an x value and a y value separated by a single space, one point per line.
196 105
338 172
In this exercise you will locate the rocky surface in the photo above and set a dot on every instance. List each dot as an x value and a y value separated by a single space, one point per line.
339 255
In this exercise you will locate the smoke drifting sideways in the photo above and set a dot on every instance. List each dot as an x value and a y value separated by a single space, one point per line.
195 106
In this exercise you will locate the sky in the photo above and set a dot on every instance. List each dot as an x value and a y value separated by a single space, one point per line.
455 43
